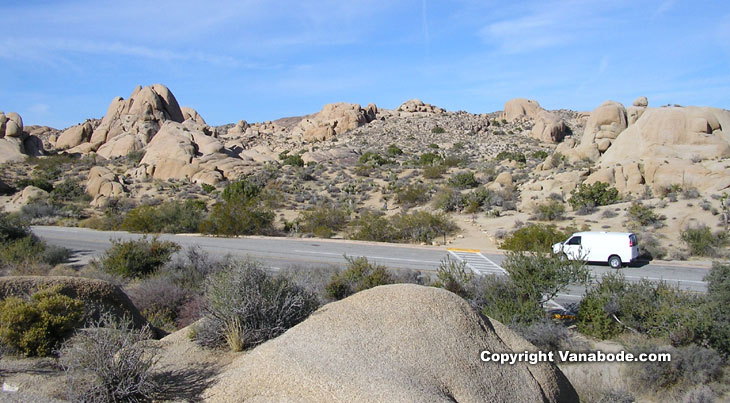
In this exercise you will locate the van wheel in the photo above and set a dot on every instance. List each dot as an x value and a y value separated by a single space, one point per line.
614 261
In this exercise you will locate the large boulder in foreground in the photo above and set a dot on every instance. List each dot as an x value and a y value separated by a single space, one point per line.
399 343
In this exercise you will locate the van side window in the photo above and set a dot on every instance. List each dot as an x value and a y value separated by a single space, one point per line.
574 241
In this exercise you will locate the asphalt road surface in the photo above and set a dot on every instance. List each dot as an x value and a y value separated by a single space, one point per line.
279 253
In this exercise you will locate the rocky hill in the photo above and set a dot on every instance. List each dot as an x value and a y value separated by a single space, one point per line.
147 149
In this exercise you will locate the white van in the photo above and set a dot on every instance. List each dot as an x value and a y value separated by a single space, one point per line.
616 248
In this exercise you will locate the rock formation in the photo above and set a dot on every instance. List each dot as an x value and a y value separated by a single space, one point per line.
15 144
391 343
137 119
192 114
548 127
604 125
333 119
671 145
102 185
416 105
75 135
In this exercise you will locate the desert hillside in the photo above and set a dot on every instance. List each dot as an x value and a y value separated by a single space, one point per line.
487 174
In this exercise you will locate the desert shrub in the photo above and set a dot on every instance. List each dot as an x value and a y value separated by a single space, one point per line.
37 326
324 220
433 171
540 155
159 300
640 215
428 158
393 150
702 242
136 257
412 195
534 237
40 183
358 276
168 217
649 246
455 277
371 158
69 190
294 160
500 298
512 156
594 195
534 279
614 305
453 160
312 279
550 211
438 130
419 226
207 188
38 209
110 361
245 306
189 269
11 228
240 213
545 334
449 199
135 157
718 306
25 253
689 367
463 180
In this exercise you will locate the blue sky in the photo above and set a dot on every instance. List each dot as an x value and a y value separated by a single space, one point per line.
63 61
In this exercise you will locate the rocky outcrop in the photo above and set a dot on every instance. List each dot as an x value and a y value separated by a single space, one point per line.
547 127
192 114
391 343
15 144
333 119
519 108
633 113
140 117
102 185
416 105
75 135
673 145
604 125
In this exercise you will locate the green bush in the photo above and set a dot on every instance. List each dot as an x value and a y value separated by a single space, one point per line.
169 217
68 191
640 215
718 306
240 212
594 195
433 171
455 277
614 305
245 306
449 199
702 242
419 226
110 361
438 130
540 155
428 158
359 275
463 180
207 188
512 156
37 327
535 237
294 160
550 211
324 220
137 257
371 158
11 228
412 195
40 183
394 150
241 191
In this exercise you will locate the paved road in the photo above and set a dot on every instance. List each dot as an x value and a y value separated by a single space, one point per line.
285 252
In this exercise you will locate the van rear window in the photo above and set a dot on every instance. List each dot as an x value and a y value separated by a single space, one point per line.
632 240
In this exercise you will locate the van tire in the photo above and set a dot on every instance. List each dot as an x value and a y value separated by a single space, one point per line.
615 262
